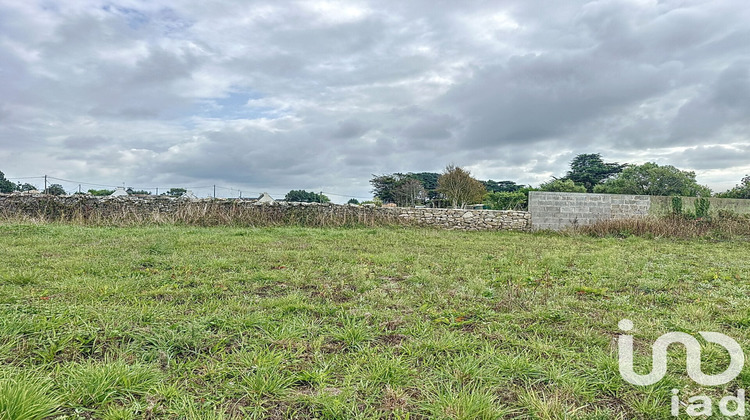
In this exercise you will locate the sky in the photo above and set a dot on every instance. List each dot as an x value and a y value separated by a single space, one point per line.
257 95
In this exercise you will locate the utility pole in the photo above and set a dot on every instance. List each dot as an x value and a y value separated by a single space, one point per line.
214 191
157 190
79 188
45 184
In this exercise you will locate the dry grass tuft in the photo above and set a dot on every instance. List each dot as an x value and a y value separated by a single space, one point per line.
723 226
213 213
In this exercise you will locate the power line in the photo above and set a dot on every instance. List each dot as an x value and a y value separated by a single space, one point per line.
240 191
344 195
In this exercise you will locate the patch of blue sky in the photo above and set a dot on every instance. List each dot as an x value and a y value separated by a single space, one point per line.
171 22
232 107
133 17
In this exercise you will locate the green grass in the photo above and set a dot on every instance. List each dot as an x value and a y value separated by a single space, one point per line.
229 323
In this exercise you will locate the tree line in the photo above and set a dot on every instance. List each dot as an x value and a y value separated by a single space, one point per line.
588 173
7 187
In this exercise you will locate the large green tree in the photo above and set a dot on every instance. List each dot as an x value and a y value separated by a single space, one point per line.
429 181
384 186
458 186
391 188
55 189
176 192
25 187
410 192
652 179
6 186
501 186
739 191
590 170
302 196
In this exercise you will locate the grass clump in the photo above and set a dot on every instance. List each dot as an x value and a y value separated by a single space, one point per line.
91 384
26 396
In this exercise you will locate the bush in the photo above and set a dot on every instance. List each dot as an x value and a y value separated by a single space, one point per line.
559 185
517 200
100 193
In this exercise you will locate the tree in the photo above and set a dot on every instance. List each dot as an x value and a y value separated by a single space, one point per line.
652 179
137 192
303 196
25 187
501 186
100 193
409 192
176 192
559 185
352 201
739 191
6 187
459 187
384 186
55 189
429 181
590 170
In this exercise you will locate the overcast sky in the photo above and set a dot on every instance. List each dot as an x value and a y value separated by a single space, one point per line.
318 95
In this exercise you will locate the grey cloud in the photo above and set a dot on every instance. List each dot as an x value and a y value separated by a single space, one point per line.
723 103
405 86
84 142
715 157
350 128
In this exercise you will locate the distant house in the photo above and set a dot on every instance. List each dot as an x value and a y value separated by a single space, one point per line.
119 192
189 195
265 198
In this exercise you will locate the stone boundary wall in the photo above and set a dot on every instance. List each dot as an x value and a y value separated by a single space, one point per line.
133 210
558 210
467 219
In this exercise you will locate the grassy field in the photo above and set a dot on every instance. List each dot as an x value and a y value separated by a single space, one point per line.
210 323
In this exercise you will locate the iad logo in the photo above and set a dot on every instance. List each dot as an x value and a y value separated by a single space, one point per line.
701 404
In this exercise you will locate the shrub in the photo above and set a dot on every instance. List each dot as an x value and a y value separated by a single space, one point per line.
676 205
517 200
702 206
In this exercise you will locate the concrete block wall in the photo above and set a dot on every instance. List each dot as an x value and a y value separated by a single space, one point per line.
558 210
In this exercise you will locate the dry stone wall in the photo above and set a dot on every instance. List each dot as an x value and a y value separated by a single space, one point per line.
217 212
467 219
